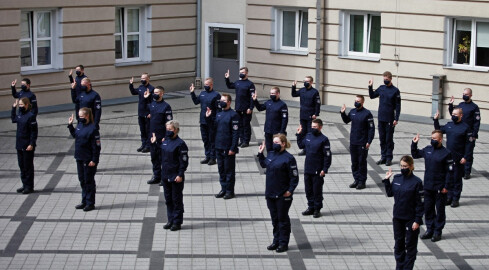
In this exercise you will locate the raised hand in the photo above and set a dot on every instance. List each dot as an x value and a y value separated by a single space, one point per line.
70 120
416 138
371 82
73 85
299 129
14 82
226 75
71 72
437 114
261 147
131 80
343 108
146 93
451 100
153 139
254 96
208 112
192 88
294 83
389 173
16 102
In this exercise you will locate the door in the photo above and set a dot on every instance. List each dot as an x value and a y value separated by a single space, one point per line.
224 55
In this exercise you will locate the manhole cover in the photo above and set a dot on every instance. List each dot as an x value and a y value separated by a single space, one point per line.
117 111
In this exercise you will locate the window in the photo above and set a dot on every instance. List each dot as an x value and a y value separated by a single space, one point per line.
130 39
360 35
470 43
291 30
37 40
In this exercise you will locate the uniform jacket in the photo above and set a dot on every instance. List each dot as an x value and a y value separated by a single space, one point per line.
227 130
206 100
244 92
26 129
143 103
78 80
160 114
277 115
408 197
174 159
309 101
471 116
362 126
438 163
28 94
282 173
318 152
90 100
87 142
458 139
389 103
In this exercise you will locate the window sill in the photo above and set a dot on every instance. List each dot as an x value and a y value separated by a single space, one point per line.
362 58
303 53
134 63
468 68
40 71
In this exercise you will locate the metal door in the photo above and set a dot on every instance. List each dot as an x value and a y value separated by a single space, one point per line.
224 55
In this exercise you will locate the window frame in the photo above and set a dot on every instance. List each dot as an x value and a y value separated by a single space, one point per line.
367 31
124 34
298 31
34 39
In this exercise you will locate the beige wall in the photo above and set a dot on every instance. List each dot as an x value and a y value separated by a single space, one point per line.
88 39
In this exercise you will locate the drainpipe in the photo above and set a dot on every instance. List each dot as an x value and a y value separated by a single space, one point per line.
198 64
318 45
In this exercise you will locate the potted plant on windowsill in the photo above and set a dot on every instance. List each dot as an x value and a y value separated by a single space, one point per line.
464 48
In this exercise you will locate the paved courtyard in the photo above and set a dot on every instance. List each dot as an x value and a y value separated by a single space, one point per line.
43 230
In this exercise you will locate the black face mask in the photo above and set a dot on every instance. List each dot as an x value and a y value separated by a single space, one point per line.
315 131
223 104
22 110
78 73
387 82
466 98
405 171
434 143
82 120
143 82
207 88
273 97
454 118
242 75
170 134
277 147
307 84
358 105
84 88
23 87
156 97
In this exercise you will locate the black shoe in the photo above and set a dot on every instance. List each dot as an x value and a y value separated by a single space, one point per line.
448 202
145 150
353 185
388 162
273 246
140 148
228 196
80 206
467 176
153 180
436 238
19 190
302 153
380 161
244 145
281 249
220 194
361 186
316 214
212 161
308 212
27 191
89 208
454 204
205 160
175 227
427 235
240 143
167 226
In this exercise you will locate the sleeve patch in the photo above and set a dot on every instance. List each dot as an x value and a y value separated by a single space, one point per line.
295 172
184 158
98 106
235 127
168 117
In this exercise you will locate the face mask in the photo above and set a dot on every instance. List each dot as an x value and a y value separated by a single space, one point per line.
156 96
22 109
242 75
143 82
83 120
277 147
78 73
434 143
466 98
387 82
273 97
23 87
454 118
223 104
307 84
170 134
84 88
315 131
207 88
358 105
405 171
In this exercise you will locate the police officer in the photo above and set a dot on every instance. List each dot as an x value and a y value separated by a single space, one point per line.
471 117
243 104
88 98
459 143
160 114
80 74
437 181
25 92
389 111
277 116
207 99
316 165
174 163
361 135
25 142
143 109
87 154
310 105
407 190
281 180
227 135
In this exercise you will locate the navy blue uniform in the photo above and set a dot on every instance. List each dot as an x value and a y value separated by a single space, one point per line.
438 172
90 99
160 114
227 135
282 176
143 111
318 158
276 119
207 129
174 162
459 143
362 132
472 117
408 208
310 105
26 135
389 110
78 90
28 94
87 148
243 101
